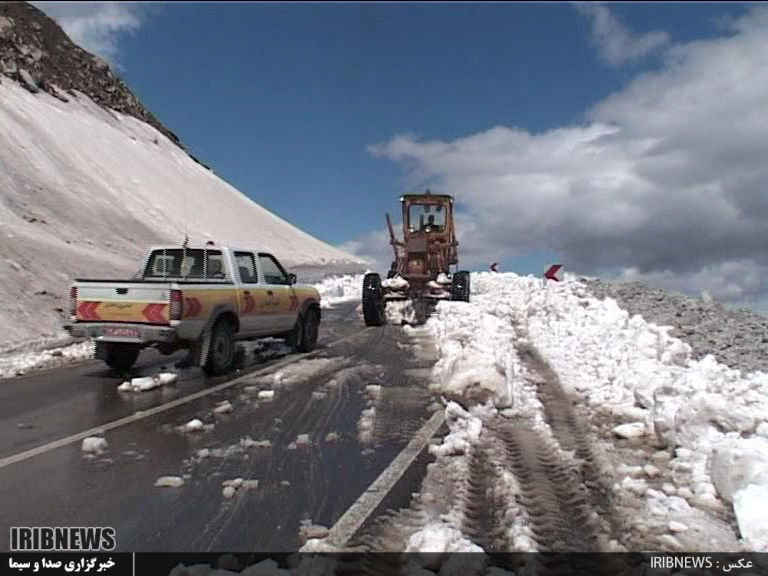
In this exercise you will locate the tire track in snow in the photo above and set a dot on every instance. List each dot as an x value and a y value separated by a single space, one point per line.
480 518
553 495
569 431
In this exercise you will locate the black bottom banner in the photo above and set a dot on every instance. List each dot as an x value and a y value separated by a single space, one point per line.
405 564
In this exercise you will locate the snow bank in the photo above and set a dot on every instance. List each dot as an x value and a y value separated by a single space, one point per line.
19 363
631 368
638 384
479 361
339 289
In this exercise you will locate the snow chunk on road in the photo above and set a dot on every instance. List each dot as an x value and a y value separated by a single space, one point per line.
195 425
94 445
224 407
228 492
303 440
331 437
236 485
170 481
266 394
309 531
250 443
148 382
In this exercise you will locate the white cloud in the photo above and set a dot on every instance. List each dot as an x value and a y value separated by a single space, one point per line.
97 26
616 43
667 178
374 247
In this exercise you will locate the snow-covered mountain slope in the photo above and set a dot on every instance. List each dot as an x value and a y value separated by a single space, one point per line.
84 190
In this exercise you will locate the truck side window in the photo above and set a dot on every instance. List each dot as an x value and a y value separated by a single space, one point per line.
246 267
273 272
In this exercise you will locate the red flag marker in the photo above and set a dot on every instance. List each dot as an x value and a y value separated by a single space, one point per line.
554 273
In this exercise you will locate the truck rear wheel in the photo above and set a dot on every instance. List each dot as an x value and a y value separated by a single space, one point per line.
118 355
460 286
373 300
221 351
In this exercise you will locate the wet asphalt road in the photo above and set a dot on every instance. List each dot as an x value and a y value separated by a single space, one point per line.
317 483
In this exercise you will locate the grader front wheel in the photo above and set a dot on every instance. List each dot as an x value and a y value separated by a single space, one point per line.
460 287
373 300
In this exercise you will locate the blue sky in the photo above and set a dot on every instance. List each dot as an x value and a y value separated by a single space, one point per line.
285 101
282 100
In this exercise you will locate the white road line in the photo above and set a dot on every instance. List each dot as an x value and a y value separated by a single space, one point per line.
356 515
13 459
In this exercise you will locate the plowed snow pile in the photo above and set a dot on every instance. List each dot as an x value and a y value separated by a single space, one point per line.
550 384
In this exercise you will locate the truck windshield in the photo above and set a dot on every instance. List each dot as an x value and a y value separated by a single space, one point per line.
426 218
179 263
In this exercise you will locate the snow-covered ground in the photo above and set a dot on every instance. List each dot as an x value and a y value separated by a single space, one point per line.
84 191
338 289
685 440
19 363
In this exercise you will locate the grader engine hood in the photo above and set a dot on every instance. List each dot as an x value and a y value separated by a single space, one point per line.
417 244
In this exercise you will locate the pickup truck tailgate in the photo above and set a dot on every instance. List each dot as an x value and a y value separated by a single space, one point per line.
145 303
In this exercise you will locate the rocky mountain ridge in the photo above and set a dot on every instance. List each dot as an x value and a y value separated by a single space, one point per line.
37 53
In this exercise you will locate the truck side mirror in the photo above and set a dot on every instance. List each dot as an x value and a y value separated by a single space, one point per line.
292 279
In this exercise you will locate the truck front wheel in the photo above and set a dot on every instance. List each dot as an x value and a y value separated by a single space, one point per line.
118 355
221 351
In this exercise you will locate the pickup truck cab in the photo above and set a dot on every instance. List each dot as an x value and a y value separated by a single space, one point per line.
199 298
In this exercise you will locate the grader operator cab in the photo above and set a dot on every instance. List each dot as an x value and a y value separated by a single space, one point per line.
421 269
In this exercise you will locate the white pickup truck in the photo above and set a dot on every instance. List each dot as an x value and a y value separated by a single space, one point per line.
199 298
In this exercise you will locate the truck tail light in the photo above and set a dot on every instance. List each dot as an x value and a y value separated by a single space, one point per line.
177 305
73 301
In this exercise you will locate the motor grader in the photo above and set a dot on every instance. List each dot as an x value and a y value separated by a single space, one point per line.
421 269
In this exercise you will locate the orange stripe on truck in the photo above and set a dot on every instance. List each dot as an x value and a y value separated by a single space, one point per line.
87 311
156 313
